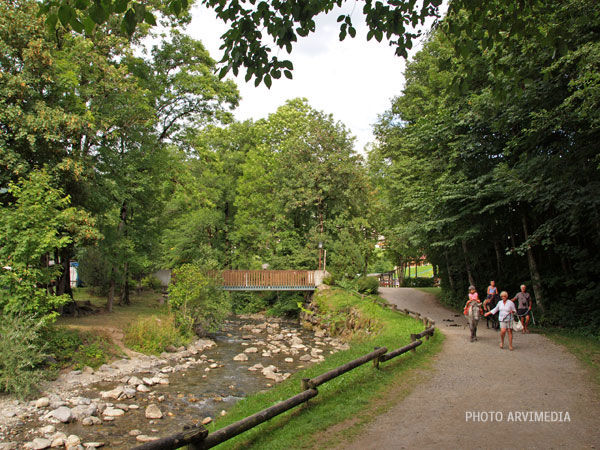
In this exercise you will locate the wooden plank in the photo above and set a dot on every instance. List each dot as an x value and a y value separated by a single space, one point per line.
314 382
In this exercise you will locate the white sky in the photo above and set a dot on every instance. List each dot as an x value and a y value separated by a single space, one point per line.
354 80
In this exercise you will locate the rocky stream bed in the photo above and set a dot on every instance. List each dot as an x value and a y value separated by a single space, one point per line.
144 398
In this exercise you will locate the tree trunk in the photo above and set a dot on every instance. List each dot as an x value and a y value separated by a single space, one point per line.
536 279
450 277
498 259
401 274
125 287
111 291
467 264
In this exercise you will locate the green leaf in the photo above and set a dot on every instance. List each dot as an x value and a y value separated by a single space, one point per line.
65 14
121 6
288 74
352 32
175 7
77 25
51 21
97 13
149 18
88 25
129 21
81 4
268 81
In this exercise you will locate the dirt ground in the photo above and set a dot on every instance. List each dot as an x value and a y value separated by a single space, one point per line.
481 396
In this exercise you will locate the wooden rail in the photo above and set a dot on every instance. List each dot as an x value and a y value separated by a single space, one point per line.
255 280
203 440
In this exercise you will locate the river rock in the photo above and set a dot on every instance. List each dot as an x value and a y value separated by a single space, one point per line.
113 412
289 360
8 446
153 412
251 350
42 402
255 367
115 393
62 414
134 381
93 444
82 411
143 388
135 432
320 333
295 341
213 366
89 421
72 441
305 358
240 357
39 444
266 354
58 440
128 392
149 381
49 429
206 420
145 438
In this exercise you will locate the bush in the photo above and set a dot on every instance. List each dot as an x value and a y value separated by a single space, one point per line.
22 352
286 305
418 282
196 300
329 280
94 270
368 285
71 347
152 283
151 335
248 302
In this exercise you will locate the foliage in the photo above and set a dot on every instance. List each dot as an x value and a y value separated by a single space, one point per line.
93 270
152 282
21 354
368 285
38 222
418 282
488 162
286 304
151 335
248 302
196 300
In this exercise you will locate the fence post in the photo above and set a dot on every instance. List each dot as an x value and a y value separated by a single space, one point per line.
413 338
376 360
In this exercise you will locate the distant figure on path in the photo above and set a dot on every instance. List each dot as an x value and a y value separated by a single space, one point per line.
506 309
523 306
492 293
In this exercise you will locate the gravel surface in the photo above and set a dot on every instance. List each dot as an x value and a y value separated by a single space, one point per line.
479 377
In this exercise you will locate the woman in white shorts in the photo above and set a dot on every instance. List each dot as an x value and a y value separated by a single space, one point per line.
506 309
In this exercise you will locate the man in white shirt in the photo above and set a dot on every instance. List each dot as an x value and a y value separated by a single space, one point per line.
505 309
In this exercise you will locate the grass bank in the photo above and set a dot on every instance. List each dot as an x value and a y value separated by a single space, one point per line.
586 348
345 404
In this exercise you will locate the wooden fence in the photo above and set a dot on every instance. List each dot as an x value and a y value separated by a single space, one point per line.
254 280
197 438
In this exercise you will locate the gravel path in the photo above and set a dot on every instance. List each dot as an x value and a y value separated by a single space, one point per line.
480 377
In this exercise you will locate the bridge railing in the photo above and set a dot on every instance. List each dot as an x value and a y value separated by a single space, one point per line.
265 279
199 438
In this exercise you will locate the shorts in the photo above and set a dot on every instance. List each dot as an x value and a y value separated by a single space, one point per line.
522 311
507 323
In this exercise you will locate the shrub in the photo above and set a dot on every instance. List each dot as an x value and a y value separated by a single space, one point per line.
196 300
151 335
329 280
94 270
418 282
286 305
21 354
152 283
368 285
71 347
248 302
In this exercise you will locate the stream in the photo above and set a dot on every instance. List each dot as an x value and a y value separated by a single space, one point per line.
205 390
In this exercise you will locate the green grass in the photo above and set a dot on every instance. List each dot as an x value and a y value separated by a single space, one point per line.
425 271
585 348
349 401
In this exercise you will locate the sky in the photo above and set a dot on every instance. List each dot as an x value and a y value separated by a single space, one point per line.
354 80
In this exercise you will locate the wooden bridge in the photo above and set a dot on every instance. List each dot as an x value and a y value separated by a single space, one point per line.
269 280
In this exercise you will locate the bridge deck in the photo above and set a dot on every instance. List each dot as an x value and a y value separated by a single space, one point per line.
266 280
